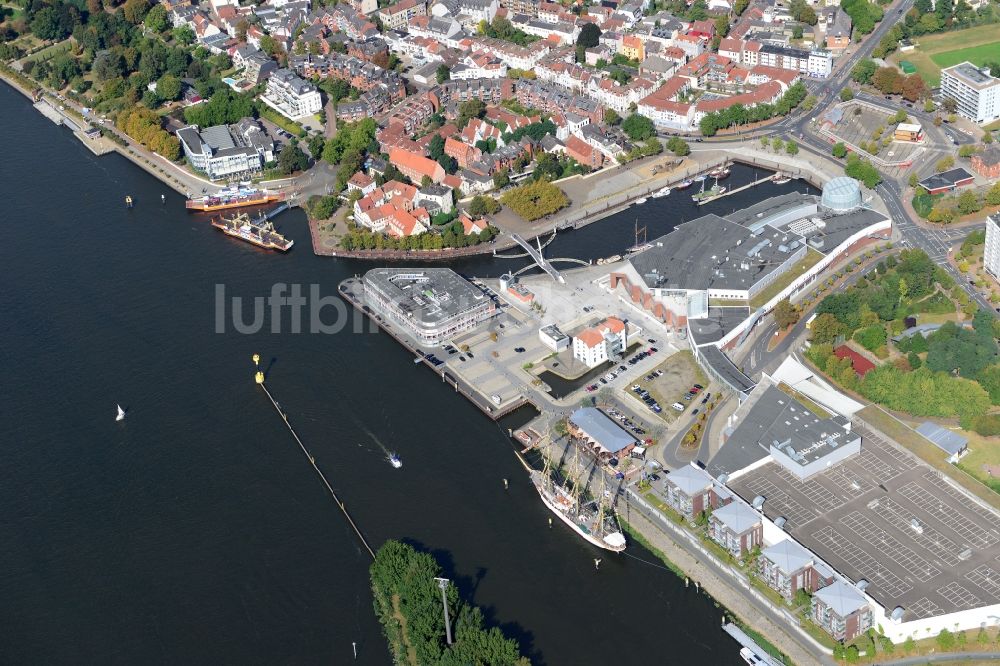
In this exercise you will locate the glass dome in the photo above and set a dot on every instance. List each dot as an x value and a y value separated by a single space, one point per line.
841 193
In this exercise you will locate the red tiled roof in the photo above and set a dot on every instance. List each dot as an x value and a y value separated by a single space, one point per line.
862 365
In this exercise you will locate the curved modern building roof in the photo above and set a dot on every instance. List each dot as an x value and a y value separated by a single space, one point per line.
841 193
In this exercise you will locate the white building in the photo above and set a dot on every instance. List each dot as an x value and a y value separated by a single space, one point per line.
553 338
597 344
976 92
292 96
991 255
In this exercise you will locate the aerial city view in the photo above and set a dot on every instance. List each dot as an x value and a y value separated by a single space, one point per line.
501 332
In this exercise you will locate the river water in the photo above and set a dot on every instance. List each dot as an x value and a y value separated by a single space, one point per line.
195 532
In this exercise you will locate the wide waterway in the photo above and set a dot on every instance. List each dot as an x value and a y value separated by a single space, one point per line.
195 532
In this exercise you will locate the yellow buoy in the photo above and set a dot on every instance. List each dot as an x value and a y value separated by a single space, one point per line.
259 377
256 359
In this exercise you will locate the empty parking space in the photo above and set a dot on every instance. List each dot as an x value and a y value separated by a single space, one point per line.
885 517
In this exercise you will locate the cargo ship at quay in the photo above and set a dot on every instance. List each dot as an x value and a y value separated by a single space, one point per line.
259 232
234 197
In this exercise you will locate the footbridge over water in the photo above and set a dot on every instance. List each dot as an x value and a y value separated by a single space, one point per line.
536 256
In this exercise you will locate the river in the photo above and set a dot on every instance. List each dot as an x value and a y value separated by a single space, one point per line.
195 532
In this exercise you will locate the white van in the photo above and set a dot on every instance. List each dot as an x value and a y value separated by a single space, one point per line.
678 406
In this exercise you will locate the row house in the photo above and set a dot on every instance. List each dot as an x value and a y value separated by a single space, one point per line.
468 12
512 120
344 19
517 57
692 45
527 7
479 66
477 130
398 16
618 97
704 29
561 32
362 75
444 30
413 113
549 11
363 183
583 152
370 50
550 98
768 93
364 7
786 567
414 46
691 491
489 91
568 124
368 105
737 528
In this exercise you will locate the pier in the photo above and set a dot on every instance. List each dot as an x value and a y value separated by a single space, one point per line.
755 183
741 637
312 461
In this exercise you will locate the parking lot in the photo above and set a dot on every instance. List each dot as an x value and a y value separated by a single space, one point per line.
858 125
885 517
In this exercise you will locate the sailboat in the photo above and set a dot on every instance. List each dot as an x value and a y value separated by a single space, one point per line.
587 518
395 461
121 414
701 192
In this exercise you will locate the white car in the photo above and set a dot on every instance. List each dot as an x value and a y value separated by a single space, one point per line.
678 406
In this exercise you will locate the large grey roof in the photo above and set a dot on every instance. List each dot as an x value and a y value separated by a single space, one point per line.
771 207
724 368
737 516
788 556
713 253
601 428
944 439
690 479
841 598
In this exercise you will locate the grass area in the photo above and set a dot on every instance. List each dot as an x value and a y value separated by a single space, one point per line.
926 451
51 51
819 634
727 303
992 127
811 259
284 123
806 402
948 48
764 589
663 507
982 451
635 536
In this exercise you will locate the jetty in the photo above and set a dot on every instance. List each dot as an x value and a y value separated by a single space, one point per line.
750 644
312 461
709 199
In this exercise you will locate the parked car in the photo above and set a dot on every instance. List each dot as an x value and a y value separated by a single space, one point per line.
678 406
694 411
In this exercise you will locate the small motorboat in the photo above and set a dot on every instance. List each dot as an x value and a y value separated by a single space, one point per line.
780 179
641 201
121 414
684 184
661 193
700 177
395 461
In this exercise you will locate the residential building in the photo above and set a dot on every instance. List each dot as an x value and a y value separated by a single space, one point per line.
397 16
946 181
991 255
912 132
691 491
415 167
987 163
841 611
737 528
595 345
291 96
974 90
838 31
430 304
435 197
787 567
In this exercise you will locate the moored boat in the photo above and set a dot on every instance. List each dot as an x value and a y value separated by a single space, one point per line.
662 192
641 201
259 232
684 184
780 178
234 197
721 172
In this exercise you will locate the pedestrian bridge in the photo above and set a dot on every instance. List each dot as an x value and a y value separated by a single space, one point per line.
536 256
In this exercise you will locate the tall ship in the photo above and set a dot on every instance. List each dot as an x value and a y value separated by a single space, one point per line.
591 519
260 232
236 196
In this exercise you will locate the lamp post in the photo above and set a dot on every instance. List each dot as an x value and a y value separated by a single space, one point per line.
443 584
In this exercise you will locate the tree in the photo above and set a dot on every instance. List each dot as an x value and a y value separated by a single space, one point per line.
785 314
473 108
589 36
863 71
949 104
292 159
184 35
792 148
483 205
913 87
945 640
168 87
809 103
435 148
638 128
826 328
887 80
777 144
157 19
944 163
846 94
501 179
443 73
135 11
535 200
839 150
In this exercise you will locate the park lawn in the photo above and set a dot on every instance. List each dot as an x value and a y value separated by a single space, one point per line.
770 291
977 55
929 47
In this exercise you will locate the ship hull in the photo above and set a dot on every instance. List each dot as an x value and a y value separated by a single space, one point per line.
246 236
569 521
205 207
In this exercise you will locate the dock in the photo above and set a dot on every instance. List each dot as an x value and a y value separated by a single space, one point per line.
346 291
755 183
745 641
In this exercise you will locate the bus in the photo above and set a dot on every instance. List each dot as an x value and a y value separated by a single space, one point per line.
810 321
